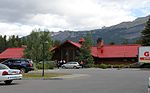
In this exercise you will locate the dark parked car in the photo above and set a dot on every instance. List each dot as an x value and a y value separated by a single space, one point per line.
25 65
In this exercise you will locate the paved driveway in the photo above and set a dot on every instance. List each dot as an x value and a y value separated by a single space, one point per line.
88 81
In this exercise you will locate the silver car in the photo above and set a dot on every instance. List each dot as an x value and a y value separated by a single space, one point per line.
75 65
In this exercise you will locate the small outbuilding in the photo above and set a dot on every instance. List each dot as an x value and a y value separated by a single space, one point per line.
12 53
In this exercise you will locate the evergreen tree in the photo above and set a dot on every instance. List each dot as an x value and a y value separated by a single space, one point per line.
33 47
3 43
46 44
85 51
13 41
24 40
146 34
35 43
56 43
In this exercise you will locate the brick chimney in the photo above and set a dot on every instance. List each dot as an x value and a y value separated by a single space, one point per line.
100 43
81 40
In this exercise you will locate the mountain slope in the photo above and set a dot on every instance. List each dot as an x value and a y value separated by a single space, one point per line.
123 32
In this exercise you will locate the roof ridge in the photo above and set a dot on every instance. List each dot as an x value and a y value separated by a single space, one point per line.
15 48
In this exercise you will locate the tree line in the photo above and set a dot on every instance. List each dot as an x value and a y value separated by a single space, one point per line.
36 44
10 41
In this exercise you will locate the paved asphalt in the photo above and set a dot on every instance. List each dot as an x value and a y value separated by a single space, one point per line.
85 81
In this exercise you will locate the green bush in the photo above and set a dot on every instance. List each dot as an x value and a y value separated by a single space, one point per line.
135 65
95 65
47 65
120 66
103 66
89 65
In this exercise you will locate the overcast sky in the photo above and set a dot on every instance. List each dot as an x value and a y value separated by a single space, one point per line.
19 17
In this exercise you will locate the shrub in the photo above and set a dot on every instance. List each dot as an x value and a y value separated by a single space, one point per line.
103 66
47 65
89 65
135 65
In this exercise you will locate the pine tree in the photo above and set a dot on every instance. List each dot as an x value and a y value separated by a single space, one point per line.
146 34
5 41
85 51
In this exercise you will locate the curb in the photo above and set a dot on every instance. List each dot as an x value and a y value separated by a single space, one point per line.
42 78
59 78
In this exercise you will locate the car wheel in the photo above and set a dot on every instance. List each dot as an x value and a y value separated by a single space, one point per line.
63 67
8 82
75 67
23 70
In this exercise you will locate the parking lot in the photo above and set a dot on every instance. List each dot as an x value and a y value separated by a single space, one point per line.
85 81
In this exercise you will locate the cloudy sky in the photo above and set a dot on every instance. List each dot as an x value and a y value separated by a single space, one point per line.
19 17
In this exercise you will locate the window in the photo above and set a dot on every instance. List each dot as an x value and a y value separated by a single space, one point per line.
3 67
133 60
125 60
17 61
23 61
8 62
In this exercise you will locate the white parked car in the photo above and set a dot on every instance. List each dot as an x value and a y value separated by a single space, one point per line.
8 75
71 65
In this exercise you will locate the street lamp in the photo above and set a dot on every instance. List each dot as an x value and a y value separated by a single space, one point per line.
43 57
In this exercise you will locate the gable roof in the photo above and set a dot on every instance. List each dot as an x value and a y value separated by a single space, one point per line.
116 51
68 41
12 53
110 51
75 43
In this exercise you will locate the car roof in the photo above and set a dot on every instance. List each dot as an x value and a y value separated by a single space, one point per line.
72 62
17 59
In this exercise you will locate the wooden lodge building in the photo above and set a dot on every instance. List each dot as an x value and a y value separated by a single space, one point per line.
106 54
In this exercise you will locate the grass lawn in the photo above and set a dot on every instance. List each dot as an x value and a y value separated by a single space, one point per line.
39 75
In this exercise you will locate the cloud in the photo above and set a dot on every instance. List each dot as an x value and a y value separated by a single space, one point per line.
15 29
21 16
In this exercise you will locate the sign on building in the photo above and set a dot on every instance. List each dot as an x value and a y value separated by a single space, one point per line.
144 54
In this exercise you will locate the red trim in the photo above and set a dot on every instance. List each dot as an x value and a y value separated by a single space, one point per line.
145 58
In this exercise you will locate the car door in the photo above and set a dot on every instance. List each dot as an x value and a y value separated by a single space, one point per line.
1 74
16 64
71 65
2 69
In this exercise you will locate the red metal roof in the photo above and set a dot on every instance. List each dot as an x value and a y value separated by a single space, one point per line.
67 41
111 51
12 53
74 43
115 51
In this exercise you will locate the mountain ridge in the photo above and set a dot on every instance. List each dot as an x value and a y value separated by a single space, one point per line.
123 32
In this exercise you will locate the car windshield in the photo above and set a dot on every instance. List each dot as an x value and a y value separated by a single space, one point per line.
3 67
